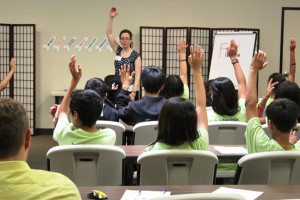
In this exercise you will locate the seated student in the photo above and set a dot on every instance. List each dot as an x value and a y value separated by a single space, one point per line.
108 112
226 104
282 116
207 93
17 180
178 85
181 126
114 87
6 80
86 107
148 107
274 80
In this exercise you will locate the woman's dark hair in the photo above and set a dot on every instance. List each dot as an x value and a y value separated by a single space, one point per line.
173 87
177 122
130 35
289 90
224 96
277 77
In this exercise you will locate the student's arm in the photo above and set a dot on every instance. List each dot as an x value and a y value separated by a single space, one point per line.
181 47
76 75
137 80
292 60
258 63
113 13
6 80
239 74
196 60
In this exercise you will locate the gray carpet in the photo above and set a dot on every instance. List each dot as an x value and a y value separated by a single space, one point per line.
40 144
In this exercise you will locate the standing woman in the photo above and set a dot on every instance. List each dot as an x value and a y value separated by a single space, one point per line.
125 54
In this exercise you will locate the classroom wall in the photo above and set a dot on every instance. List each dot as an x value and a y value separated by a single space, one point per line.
88 18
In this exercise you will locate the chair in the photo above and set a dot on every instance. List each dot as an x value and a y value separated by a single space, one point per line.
227 132
145 132
224 133
177 167
202 196
116 126
88 165
276 167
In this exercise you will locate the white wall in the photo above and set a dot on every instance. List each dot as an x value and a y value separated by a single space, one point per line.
88 18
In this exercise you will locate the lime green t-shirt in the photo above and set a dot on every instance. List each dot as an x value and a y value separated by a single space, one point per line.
18 181
186 92
270 100
201 143
258 141
239 116
66 133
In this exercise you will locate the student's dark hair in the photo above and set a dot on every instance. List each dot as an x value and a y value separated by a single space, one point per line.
277 77
177 122
283 113
110 79
88 105
173 87
289 90
206 86
98 85
152 78
130 35
13 127
224 96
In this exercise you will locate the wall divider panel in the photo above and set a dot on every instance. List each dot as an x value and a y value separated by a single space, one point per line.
18 41
158 47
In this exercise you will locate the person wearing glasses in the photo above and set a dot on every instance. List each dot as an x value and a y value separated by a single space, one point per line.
125 54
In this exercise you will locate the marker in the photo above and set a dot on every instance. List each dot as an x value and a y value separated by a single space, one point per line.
70 43
101 45
51 41
59 44
81 44
91 44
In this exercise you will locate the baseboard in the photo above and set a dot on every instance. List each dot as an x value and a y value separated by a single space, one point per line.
43 131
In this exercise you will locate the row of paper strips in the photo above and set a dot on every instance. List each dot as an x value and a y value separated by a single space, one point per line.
62 44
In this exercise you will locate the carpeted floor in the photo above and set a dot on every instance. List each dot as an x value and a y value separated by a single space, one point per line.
40 144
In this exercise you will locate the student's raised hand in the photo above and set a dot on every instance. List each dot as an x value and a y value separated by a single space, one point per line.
113 12
259 61
232 50
196 57
53 109
292 44
293 139
12 64
76 73
270 88
181 46
114 86
125 76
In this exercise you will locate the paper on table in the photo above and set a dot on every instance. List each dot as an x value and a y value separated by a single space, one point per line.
143 194
231 150
247 194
